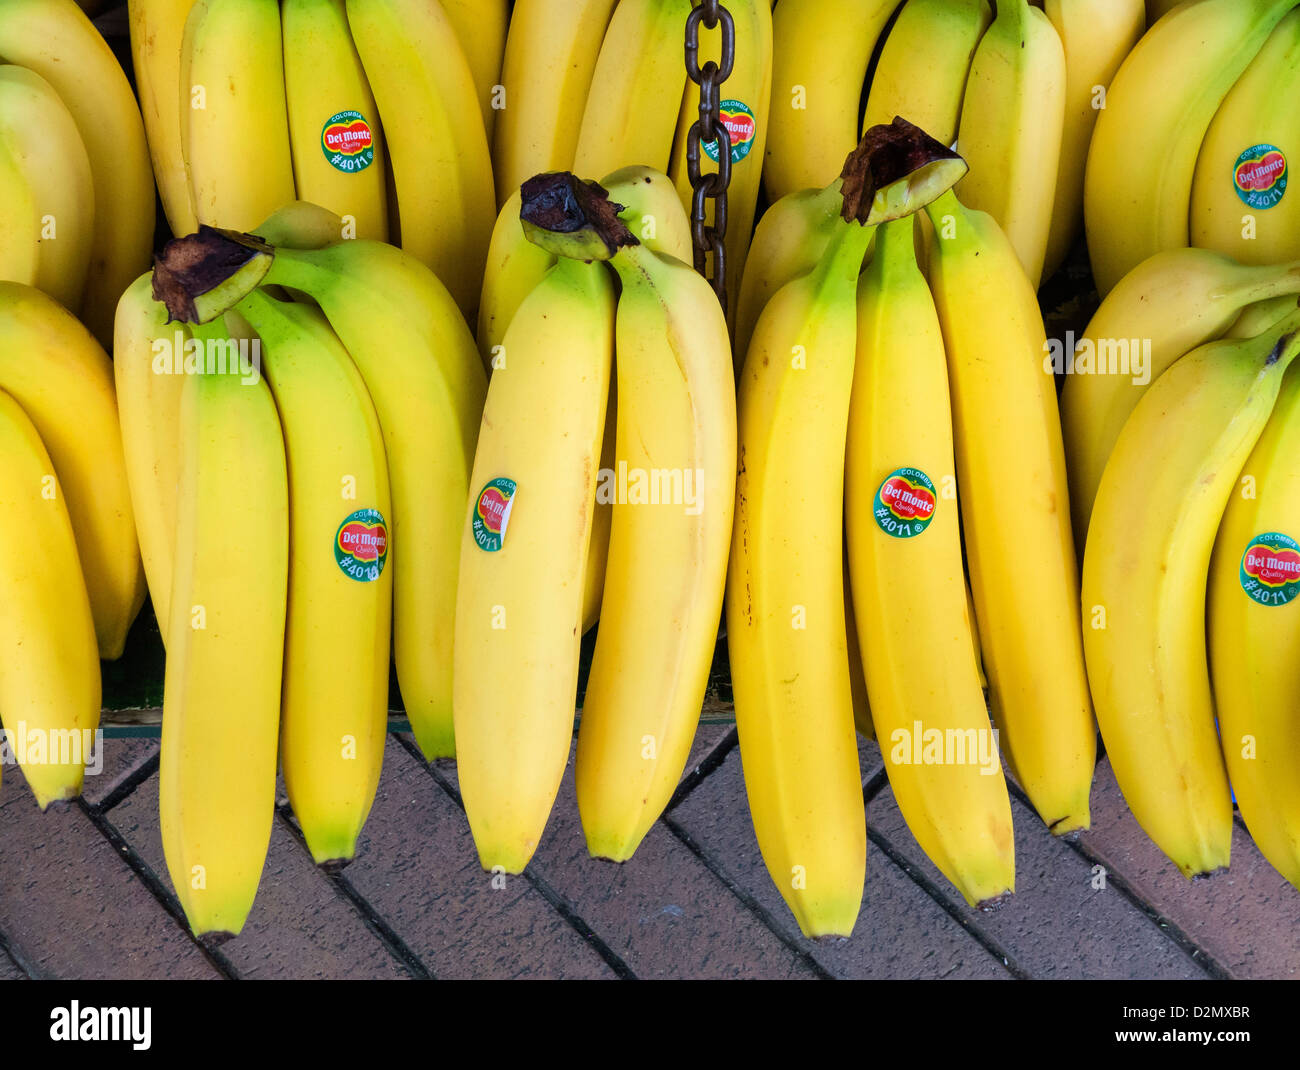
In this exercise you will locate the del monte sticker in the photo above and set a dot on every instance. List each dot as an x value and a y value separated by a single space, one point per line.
1270 569
741 128
348 142
492 514
1260 176
361 545
905 503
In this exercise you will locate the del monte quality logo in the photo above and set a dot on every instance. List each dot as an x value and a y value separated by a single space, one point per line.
741 127
492 514
348 142
905 503
1260 176
1270 569
361 545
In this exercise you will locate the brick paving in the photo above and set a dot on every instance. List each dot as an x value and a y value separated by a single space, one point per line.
84 893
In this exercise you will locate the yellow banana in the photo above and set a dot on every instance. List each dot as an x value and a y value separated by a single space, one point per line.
480 27
221 704
49 669
1259 317
820 55
1097 36
233 110
1012 122
1159 505
1166 307
338 148
39 135
550 58
636 89
157 36
58 373
922 70
437 147
786 630
302 225
1158 108
55 39
1240 205
909 588
1029 628
20 235
334 718
523 558
745 101
673 491
1254 634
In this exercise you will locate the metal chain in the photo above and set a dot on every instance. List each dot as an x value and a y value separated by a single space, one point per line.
708 129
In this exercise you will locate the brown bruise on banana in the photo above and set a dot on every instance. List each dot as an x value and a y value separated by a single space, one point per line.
200 276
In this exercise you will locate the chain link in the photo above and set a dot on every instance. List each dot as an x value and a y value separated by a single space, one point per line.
708 129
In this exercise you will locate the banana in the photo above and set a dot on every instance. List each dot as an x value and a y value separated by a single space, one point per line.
157 36
675 496
480 27
49 668
1145 570
744 107
1158 9
1173 302
149 357
1254 636
786 630
789 241
20 235
909 588
64 381
922 71
550 59
1029 631
221 703
523 560
857 676
1012 123
39 135
338 147
1158 108
820 55
58 42
1239 202
1259 317
636 89
233 110
424 375
1097 35
436 142
334 717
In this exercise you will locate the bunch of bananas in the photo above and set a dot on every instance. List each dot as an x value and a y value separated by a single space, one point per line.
378 110
1185 361
1194 144
71 582
579 513
299 466
76 193
594 85
867 398
1018 92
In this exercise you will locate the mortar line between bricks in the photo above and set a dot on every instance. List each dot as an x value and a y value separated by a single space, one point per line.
552 898
697 776
1168 928
958 912
751 904
875 784
156 888
7 950
130 782
370 917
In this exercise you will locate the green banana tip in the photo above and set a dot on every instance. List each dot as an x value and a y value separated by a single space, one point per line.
569 217
202 275
896 170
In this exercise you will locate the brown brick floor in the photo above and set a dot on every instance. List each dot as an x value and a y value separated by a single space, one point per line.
84 893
